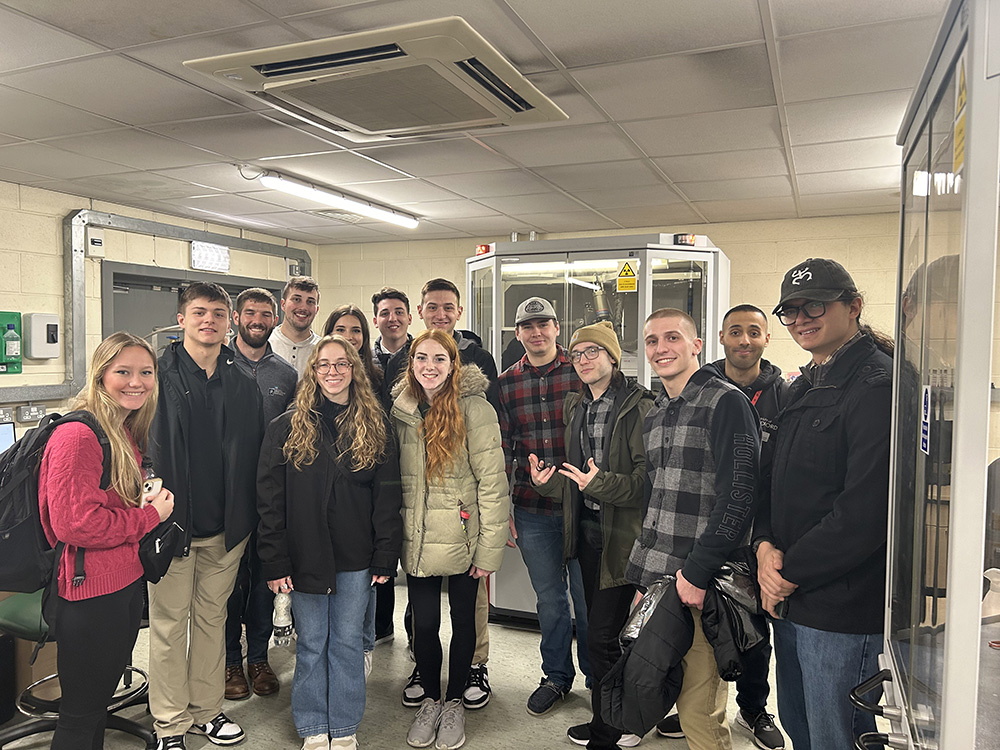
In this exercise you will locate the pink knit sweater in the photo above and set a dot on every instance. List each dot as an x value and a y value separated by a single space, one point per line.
75 510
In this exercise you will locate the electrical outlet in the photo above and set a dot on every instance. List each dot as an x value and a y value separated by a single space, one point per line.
30 413
6 414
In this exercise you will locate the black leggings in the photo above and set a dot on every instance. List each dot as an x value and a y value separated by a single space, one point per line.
425 599
95 643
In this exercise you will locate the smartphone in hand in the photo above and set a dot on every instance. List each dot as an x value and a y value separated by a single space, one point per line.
151 488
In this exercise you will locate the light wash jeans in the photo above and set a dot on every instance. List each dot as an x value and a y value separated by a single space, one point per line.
328 690
540 539
815 670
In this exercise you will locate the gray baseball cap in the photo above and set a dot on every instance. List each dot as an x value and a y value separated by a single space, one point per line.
534 308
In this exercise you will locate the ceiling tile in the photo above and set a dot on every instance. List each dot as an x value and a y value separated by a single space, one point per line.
513 182
349 233
278 198
725 190
224 178
729 165
120 89
682 84
566 145
486 18
860 60
882 178
25 41
138 185
107 22
288 8
544 202
22 178
752 209
489 225
569 221
135 149
247 136
291 219
601 176
34 118
883 200
399 191
702 134
439 157
654 216
6 139
562 91
610 32
626 197
447 209
846 118
803 16
860 154
45 160
234 205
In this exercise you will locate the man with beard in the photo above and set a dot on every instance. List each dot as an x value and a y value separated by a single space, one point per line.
251 602
294 338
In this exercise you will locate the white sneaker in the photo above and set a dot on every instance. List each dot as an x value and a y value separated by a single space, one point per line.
344 743
316 742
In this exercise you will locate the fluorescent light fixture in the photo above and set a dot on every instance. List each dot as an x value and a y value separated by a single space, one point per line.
584 284
334 199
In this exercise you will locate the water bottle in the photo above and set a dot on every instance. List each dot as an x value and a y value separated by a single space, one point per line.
11 344
282 619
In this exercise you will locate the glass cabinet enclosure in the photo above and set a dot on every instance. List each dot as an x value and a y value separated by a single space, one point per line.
619 279
943 593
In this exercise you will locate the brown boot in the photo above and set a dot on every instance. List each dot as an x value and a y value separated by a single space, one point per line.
265 682
236 683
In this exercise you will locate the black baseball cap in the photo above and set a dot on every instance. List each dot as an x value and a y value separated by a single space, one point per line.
815 279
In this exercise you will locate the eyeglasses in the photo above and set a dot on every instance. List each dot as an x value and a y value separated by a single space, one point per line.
590 352
322 368
812 310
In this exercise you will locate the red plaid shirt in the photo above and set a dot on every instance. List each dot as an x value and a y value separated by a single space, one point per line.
531 406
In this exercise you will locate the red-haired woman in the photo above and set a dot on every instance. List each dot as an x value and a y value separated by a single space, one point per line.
454 518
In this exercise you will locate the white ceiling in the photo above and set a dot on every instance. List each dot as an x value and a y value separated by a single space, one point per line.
681 112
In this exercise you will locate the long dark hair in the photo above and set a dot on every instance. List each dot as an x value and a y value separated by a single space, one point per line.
883 341
365 352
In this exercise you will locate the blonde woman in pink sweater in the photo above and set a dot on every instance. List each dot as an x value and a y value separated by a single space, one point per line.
99 617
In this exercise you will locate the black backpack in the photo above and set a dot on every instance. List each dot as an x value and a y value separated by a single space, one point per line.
27 561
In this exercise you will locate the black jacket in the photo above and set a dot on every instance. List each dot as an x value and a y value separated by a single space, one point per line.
645 682
242 433
296 537
768 394
468 351
826 506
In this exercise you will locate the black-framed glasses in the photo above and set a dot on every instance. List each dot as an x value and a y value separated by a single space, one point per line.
812 310
590 352
322 368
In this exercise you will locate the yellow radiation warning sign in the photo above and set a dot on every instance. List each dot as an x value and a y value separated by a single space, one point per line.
626 277
958 127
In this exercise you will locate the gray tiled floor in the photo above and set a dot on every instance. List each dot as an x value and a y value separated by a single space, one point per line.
503 724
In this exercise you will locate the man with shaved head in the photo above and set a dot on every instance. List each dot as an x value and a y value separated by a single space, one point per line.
702 442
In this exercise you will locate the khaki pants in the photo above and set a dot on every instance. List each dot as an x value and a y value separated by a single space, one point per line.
482 654
701 705
187 636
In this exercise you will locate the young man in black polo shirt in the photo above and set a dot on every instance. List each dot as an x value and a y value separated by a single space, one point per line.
204 443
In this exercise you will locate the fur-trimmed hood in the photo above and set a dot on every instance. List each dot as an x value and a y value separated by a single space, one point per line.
471 382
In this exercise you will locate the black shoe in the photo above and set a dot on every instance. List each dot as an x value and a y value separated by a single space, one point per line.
765 734
385 637
670 726
579 734
477 691
175 742
413 693
545 697
220 731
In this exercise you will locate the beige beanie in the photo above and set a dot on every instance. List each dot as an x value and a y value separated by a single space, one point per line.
602 334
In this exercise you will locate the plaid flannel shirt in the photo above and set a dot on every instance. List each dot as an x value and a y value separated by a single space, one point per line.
598 427
531 406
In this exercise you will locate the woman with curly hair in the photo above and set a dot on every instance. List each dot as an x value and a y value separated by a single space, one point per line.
328 495
99 617
348 321
454 518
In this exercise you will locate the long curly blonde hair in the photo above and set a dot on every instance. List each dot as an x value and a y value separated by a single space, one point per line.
361 431
444 426
126 477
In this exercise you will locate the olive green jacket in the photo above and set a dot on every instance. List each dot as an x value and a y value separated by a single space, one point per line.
436 542
618 489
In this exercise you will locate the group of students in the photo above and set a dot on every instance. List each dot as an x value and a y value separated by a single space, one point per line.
418 459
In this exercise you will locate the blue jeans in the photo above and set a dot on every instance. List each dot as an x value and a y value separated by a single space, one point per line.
540 539
370 621
815 670
328 690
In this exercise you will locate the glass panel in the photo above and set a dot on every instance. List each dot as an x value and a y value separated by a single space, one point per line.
593 295
931 244
681 284
481 315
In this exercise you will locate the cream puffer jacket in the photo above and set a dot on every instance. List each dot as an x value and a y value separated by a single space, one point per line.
435 540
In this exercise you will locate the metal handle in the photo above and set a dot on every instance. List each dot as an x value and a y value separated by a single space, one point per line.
868 685
871 739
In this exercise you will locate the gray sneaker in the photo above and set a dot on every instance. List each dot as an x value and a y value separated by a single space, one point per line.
423 730
451 726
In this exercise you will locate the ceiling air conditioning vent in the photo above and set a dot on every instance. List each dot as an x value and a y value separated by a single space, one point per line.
429 77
